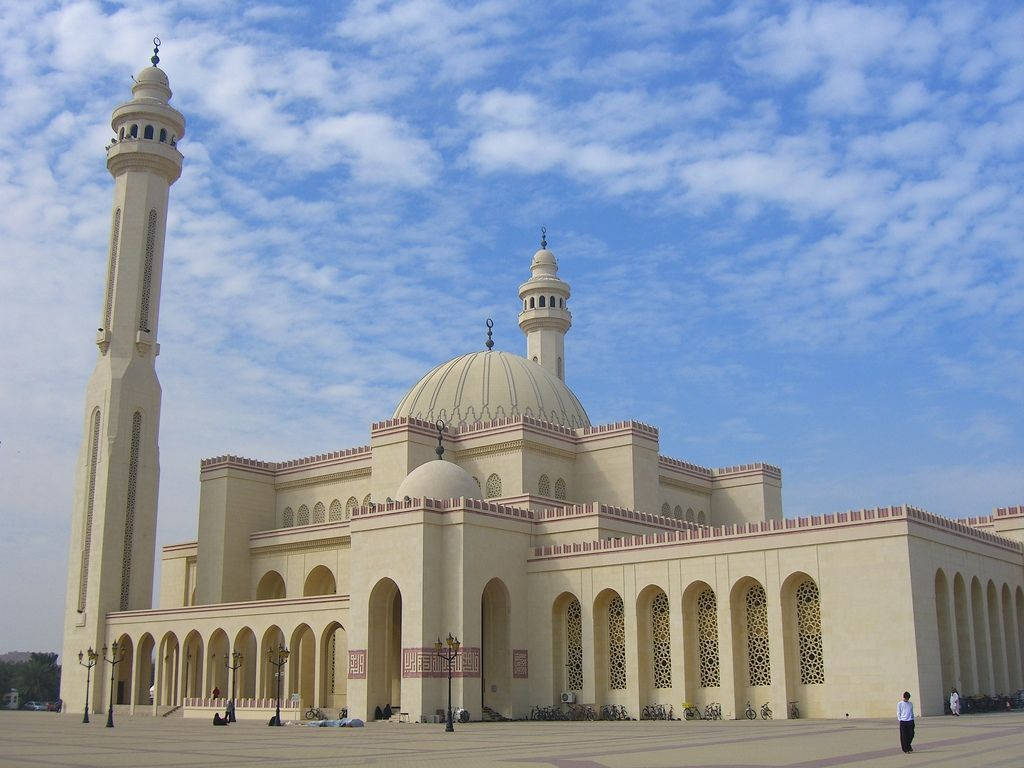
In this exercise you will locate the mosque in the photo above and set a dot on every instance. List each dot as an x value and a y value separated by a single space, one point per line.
574 561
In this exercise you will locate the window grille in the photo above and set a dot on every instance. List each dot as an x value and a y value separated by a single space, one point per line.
616 644
758 658
661 643
574 645
129 512
808 621
544 485
493 486
707 638
147 272
94 450
115 236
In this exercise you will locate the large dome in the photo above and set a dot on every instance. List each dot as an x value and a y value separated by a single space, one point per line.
489 385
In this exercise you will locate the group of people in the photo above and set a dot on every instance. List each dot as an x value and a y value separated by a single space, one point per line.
905 715
229 710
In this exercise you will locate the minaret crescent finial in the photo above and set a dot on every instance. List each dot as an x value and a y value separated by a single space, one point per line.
543 238
440 431
155 58
490 342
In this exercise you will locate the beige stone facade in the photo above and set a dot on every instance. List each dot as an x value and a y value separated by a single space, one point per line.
586 566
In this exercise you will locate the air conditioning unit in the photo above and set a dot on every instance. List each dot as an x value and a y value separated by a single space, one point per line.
568 697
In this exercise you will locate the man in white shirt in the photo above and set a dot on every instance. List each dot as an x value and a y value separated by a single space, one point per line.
905 714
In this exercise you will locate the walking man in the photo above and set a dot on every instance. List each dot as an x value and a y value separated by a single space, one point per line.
905 713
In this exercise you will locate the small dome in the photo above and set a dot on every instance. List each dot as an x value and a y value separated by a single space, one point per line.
482 386
152 75
438 479
152 83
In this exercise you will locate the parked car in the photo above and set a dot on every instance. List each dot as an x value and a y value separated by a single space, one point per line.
37 706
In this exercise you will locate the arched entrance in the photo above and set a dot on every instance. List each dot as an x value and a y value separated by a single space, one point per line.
320 581
145 677
752 670
566 644
802 644
301 675
610 648
384 651
700 644
271 587
495 653
334 676
167 672
245 682
273 639
192 672
654 651
962 619
123 681
217 671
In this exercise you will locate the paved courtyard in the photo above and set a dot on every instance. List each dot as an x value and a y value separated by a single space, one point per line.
42 740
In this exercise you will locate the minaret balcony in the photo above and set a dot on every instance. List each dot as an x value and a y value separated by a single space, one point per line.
144 155
540 319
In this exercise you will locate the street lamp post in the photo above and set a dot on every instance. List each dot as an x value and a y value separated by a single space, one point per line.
449 656
234 666
281 659
91 656
116 657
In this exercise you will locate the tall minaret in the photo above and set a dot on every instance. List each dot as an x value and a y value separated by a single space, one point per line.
113 522
545 317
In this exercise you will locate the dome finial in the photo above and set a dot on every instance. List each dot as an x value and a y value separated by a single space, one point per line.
490 342
440 431
155 58
543 238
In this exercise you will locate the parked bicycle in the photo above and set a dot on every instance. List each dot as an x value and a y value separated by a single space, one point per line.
766 711
750 712
547 713
713 711
657 712
613 712
794 711
315 713
581 712
691 711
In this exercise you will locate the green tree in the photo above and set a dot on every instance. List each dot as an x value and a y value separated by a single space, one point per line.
38 679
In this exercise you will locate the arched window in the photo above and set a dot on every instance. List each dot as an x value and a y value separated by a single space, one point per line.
350 506
335 513
94 453
524 305
551 302
561 303
574 645
666 510
303 517
689 514
129 512
561 373
616 644
148 132
120 133
701 518
678 512
163 134
319 512
271 587
560 492
758 659
544 486
661 643
115 235
366 500
707 638
808 623
493 486
287 518
542 301
531 303
477 481
134 132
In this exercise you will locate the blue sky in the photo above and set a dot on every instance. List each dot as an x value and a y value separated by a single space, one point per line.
793 231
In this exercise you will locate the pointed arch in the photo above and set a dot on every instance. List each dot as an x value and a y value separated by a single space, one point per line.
320 581
273 639
495 646
218 675
567 644
654 652
944 629
1013 673
752 670
962 622
123 681
287 518
319 513
493 486
336 513
302 516
560 489
192 666
995 634
301 665
90 503
366 500
247 674
271 586
145 676
167 683
351 506
701 518
333 663
701 655
544 486
689 515
610 645
981 648
384 646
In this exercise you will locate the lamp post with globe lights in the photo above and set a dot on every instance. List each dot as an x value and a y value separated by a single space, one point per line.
116 657
234 666
91 656
278 658
449 656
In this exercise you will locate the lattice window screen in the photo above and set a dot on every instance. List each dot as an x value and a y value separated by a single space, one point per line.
94 450
666 510
115 235
574 645
560 492
319 512
302 518
493 486
661 642
616 644
808 621
366 499
707 638
332 650
350 506
758 658
287 518
544 485
336 512
129 512
147 272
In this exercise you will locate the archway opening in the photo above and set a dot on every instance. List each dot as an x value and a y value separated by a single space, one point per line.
246 674
301 665
384 651
495 651
654 647
217 673
192 671
123 681
273 679
334 663
167 674
981 660
944 627
145 677
802 643
752 669
566 645
320 581
610 648
962 616
271 587
700 647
